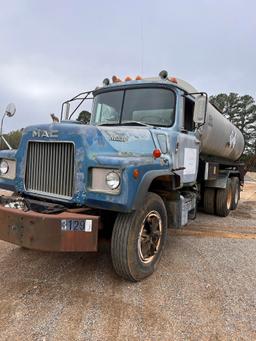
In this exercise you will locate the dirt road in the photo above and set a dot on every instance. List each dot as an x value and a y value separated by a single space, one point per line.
204 288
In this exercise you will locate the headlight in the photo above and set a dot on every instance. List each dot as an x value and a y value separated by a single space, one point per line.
4 167
113 180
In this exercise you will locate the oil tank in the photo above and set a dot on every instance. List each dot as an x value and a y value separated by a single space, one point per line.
218 136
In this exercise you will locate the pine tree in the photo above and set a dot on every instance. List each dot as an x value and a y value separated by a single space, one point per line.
241 111
13 138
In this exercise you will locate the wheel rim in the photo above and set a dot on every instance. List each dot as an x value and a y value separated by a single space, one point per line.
150 237
229 199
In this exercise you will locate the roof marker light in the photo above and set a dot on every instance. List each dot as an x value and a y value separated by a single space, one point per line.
173 80
138 78
128 78
116 79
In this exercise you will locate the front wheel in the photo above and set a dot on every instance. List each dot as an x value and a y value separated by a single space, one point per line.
138 239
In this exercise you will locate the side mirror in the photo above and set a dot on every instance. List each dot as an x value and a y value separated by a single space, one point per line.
200 109
66 109
10 110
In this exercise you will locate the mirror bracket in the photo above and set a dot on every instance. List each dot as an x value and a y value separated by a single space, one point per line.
7 144
66 105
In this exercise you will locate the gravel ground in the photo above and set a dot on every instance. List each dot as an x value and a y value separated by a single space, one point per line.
204 289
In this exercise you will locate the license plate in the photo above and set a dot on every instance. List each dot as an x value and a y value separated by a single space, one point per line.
76 225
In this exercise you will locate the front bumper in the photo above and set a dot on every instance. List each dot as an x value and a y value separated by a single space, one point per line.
44 231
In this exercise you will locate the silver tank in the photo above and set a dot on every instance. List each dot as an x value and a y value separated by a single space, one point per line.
218 136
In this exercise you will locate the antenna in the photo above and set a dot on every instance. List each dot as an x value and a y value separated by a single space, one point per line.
142 44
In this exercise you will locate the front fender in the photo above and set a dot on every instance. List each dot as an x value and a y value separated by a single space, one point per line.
146 182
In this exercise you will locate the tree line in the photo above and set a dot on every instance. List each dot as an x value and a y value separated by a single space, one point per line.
13 138
241 111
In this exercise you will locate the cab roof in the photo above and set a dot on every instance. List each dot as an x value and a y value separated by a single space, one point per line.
176 82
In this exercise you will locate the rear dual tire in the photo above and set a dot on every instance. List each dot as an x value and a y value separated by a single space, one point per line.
221 201
224 200
209 200
235 187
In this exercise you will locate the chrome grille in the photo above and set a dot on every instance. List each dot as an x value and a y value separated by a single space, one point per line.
50 168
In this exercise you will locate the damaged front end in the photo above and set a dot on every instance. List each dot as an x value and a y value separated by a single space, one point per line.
47 227
67 176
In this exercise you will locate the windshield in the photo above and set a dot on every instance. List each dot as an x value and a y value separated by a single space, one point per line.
145 106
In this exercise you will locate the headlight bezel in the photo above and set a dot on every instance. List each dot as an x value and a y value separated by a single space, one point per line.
97 176
11 173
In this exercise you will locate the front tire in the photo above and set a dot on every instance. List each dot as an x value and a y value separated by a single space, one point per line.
138 239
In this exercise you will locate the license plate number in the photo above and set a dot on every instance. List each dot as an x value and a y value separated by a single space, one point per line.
77 225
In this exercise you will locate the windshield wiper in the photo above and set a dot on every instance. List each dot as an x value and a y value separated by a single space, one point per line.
108 124
136 123
126 124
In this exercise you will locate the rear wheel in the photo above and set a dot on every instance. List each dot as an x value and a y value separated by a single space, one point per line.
209 200
235 185
224 200
138 239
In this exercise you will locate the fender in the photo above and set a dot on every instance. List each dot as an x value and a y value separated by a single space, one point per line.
221 181
146 182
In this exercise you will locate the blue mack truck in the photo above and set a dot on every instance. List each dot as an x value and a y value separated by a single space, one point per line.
154 150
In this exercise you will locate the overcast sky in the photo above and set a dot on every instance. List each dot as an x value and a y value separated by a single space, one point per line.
50 50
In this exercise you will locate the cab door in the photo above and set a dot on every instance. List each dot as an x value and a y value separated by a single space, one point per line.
187 147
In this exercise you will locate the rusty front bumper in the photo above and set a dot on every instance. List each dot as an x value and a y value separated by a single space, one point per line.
44 231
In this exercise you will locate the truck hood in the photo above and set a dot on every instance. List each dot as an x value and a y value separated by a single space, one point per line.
118 140
110 147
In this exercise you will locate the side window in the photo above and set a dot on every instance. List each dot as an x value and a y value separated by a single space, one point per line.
189 124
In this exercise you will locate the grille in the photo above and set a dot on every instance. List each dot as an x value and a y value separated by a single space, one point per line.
50 168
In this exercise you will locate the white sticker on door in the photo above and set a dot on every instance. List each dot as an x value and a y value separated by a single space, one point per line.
190 161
